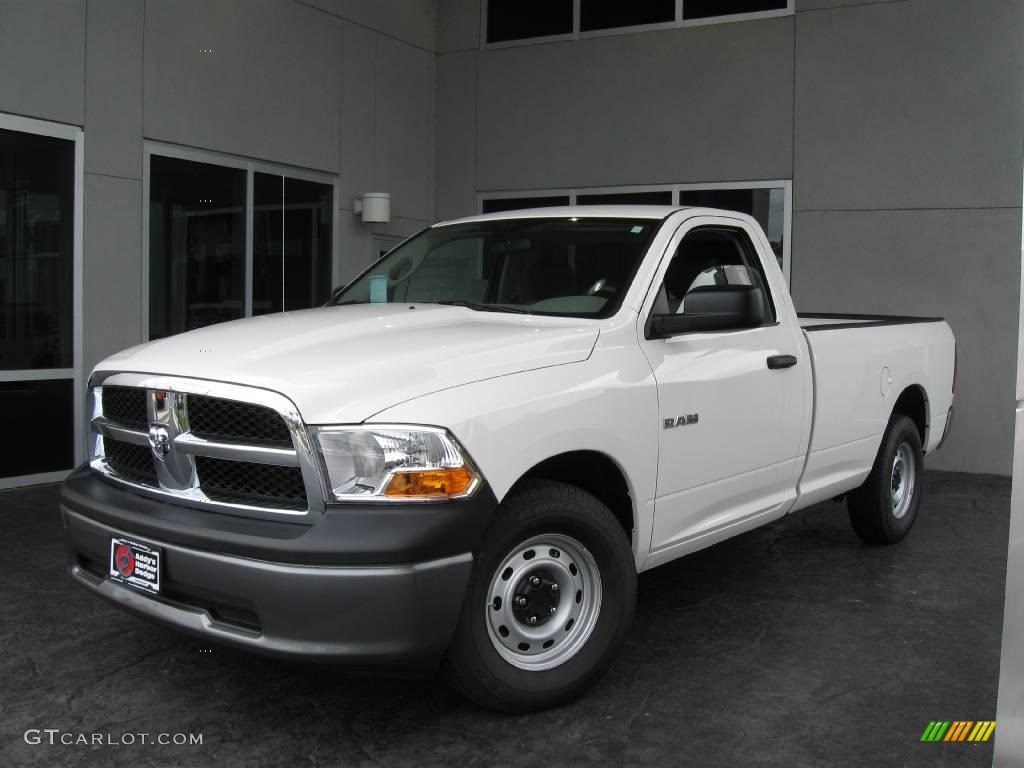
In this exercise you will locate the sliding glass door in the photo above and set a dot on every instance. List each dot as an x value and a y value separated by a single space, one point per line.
39 208
230 238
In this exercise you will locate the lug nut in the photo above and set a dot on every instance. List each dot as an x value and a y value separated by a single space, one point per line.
552 610
554 587
533 619
535 581
521 600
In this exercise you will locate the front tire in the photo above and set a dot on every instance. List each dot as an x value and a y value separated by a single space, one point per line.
883 509
549 602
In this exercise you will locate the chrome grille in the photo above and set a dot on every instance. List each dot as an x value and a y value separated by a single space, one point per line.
214 418
132 462
216 446
242 482
126 406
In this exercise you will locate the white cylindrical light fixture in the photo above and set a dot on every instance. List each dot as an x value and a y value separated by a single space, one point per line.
375 207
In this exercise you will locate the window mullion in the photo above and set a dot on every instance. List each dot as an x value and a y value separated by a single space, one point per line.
250 222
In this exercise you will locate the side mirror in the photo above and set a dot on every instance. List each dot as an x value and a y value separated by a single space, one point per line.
712 308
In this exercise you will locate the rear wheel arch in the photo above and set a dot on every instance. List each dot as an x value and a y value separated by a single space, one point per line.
913 403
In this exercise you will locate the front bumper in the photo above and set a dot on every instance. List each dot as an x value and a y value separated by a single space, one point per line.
369 586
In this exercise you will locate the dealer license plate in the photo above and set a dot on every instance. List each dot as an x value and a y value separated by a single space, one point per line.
135 564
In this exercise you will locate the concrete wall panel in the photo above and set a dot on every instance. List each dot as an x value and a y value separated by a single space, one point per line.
710 103
42 58
412 21
403 156
456 134
269 89
961 265
909 105
458 25
112 274
113 88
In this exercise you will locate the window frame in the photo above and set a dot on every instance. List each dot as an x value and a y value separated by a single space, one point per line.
251 167
74 134
577 34
786 185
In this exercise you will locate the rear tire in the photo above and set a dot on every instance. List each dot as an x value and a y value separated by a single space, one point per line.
884 508
549 602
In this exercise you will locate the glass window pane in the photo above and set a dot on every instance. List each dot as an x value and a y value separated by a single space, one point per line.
498 205
41 414
522 19
765 205
660 197
705 9
196 245
608 14
305 261
37 193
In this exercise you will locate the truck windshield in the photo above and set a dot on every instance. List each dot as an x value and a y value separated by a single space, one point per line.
573 267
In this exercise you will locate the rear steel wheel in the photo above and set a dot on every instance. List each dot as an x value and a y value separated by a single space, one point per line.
884 508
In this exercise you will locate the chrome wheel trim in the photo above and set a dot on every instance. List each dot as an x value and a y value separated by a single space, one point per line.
902 481
551 558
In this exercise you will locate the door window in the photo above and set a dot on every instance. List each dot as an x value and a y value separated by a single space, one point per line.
710 256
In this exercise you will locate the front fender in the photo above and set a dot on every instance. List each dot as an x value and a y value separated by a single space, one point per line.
509 424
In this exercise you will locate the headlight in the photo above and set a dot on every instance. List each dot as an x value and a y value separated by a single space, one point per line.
389 462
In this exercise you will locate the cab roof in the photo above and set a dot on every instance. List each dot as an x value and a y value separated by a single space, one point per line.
657 212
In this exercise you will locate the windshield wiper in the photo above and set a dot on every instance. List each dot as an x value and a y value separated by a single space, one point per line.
484 307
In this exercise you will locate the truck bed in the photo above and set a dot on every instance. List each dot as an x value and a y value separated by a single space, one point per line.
857 379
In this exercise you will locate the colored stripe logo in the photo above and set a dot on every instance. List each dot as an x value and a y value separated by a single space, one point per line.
958 730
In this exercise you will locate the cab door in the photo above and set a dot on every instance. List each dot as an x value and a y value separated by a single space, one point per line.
731 400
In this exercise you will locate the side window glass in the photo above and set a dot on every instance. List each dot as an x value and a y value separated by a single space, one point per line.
708 257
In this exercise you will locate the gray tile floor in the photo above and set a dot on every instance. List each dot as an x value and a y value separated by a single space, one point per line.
789 646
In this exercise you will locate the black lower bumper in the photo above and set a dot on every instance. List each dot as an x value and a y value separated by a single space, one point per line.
331 589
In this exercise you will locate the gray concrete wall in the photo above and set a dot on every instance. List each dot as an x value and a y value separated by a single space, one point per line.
907 185
899 123
344 87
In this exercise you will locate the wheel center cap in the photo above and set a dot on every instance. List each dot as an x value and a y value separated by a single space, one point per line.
536 599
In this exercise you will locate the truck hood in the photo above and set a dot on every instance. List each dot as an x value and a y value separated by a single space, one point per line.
344 364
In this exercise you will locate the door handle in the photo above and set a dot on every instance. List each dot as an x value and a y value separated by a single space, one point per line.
781 361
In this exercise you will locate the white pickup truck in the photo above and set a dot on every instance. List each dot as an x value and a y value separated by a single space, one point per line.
469 454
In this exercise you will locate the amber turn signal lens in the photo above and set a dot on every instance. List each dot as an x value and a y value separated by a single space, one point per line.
431 482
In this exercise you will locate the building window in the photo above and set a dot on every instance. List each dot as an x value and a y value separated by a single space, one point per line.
499 204
768 202
706 9
525 19
214 229
196 245
609 14
656 197
510 22
293 271
39 201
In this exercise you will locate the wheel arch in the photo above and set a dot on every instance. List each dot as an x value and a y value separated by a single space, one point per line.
913 403
596 473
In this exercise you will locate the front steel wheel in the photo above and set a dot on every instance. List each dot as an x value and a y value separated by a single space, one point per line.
545 601
549 602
